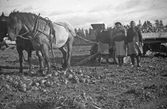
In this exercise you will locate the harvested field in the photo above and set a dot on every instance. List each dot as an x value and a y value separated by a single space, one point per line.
88 86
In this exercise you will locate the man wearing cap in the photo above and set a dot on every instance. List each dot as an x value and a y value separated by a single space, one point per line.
119 42
134 43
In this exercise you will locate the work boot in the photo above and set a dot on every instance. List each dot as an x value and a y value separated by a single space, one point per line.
133 61
138 61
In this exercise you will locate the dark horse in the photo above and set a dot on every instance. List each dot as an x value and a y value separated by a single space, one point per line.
21 44
3 29
44 35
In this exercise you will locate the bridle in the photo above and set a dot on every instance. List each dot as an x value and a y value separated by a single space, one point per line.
37 31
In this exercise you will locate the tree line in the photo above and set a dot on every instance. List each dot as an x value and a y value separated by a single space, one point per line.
146 27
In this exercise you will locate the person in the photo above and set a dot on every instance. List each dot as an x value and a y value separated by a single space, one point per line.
103 38
134 43
119 42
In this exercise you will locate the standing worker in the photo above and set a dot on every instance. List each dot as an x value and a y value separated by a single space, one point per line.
134 43
119 42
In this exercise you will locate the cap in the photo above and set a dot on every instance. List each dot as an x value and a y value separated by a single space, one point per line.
118 23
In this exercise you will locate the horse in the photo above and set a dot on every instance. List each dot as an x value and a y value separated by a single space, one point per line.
3 30
21 44
44 35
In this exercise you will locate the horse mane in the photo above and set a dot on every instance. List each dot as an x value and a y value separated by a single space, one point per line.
27 18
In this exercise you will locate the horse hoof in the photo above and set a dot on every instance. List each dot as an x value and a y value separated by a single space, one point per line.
49 72
42 72
20 72
64 67
65 71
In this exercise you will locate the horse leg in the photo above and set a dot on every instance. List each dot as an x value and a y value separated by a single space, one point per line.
100 58
64 62
69 47
47 57
29 59
24 58
20 52
41 60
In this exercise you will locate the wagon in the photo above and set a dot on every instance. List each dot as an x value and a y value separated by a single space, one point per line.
155 42
101 47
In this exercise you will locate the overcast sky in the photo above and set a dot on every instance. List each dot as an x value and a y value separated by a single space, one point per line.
81 13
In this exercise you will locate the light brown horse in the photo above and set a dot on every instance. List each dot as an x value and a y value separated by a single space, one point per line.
21 44
44 36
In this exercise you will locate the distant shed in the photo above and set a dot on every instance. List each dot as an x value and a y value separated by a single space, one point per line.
98 26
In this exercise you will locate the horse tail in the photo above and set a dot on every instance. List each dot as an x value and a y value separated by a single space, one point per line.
52 32
70 29
73 33
51 46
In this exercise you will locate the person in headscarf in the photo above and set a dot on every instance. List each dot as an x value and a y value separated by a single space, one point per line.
134 43
119 42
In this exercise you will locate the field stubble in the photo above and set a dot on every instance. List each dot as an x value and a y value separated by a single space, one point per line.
89 86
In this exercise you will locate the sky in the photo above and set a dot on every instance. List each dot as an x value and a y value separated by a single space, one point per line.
82 13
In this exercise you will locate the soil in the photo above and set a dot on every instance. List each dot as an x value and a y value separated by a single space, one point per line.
88 86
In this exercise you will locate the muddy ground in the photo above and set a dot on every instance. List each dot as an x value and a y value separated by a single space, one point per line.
88 86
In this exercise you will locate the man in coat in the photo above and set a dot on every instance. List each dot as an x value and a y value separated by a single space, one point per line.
134 43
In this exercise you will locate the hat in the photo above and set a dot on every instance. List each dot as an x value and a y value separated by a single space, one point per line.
132 22
118 23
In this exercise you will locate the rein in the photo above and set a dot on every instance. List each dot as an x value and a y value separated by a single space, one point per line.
27 31
36 31
92 42
21 35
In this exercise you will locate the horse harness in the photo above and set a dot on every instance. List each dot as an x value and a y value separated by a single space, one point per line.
34 33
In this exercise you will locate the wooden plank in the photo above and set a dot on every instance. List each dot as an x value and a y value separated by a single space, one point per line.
155 40
98 26
154 35
87 59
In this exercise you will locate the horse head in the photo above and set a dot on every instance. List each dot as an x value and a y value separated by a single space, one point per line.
20 23
14 26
